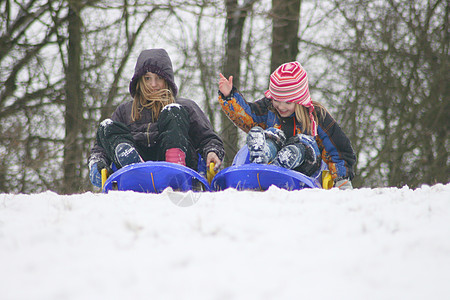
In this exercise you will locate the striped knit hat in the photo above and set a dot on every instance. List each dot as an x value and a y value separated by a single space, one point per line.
289 83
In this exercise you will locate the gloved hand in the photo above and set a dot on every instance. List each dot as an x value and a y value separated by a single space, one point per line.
343 184
94 175
95 169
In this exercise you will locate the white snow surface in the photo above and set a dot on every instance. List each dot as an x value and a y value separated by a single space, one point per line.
383 243
171 105
106 122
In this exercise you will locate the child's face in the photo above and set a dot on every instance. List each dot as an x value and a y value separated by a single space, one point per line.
154 81
285 109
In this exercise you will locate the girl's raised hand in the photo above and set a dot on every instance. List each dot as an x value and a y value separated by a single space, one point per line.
225 85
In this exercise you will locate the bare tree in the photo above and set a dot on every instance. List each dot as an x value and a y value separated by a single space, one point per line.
29 94
391 58
236 15
73 101
55 66
65 65
285 17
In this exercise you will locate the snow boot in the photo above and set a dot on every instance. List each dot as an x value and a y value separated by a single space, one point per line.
290 156
176 156
127 155
313 157
276 135
116 139
301 154
261 151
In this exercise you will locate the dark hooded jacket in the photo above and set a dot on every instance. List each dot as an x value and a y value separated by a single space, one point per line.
145 130
156 61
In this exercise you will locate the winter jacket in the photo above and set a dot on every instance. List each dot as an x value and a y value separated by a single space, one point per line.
334 145
145 130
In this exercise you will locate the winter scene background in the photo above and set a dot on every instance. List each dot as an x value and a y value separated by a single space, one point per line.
381 68
382 243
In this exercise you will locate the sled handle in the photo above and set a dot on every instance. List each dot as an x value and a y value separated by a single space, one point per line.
104 176
327 180
210 172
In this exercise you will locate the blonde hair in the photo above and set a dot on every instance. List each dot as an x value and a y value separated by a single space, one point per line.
302 115
149 99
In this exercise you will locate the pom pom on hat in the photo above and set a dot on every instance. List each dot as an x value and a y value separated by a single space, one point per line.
289 83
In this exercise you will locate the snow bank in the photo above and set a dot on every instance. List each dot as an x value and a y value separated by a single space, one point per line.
312 244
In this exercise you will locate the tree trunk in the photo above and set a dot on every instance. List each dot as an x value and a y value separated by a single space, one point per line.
236 16
286 17
73 102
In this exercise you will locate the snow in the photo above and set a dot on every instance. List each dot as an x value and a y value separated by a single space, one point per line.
384 243
171 105
106 122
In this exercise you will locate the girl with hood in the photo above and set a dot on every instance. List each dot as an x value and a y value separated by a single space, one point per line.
156 125
286 128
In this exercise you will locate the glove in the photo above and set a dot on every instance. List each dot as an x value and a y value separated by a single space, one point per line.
95 169
343 184
94 175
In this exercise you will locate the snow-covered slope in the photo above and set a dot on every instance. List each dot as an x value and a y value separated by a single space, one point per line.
312 244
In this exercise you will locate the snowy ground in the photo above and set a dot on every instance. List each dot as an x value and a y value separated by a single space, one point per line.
310 244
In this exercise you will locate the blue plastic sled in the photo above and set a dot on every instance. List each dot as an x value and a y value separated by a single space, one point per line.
154 177
243 175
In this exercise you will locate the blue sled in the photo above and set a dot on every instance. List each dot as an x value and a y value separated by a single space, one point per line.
243 175
154 177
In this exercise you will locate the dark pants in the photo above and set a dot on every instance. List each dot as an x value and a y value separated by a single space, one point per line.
173 127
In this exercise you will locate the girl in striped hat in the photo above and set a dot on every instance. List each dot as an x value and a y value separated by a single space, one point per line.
288 129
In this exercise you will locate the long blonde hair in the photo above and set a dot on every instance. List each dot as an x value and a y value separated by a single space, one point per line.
302 115
146 98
